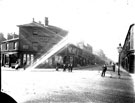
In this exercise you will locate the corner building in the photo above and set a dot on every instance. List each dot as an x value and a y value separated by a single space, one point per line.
34 40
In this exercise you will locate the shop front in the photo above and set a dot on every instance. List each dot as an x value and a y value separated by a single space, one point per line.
9 58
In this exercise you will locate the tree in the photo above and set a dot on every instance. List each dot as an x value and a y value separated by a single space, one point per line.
2 38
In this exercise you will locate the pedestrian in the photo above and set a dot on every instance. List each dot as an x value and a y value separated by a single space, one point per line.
104 70
64 67
57 66
24 65
113 67
70 67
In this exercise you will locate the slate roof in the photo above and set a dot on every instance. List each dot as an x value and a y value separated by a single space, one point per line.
50 28
57 30
33 24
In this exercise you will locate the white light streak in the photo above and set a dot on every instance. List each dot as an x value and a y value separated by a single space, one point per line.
51 52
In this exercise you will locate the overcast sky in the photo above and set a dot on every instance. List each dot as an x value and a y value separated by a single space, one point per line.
101 23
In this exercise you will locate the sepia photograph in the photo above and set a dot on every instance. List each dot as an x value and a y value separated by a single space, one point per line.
67 51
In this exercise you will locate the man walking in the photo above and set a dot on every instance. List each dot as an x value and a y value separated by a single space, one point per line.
70 67
104 70
113 67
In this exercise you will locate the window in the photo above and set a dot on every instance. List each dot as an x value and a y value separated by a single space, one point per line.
35 46
1 46
13 45
25 47
28 59
35 32
32 58
24 58
16 45
7 46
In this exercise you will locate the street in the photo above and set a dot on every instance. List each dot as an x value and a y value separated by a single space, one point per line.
79 86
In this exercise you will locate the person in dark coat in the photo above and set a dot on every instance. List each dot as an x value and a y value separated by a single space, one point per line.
57 66
64 67
113 67
104 70
70 67
24 65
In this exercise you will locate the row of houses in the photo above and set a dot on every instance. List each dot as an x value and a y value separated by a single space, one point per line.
35 39
127 56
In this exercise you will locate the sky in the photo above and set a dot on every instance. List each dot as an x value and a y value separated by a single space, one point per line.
102 23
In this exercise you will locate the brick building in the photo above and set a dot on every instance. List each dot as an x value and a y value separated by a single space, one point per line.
34 40
127 56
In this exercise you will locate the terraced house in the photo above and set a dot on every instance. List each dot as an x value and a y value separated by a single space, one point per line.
128 52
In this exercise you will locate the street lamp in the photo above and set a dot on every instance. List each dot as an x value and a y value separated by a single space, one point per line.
0 66
119 51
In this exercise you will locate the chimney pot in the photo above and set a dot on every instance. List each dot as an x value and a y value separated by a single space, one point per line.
39 22
46 21
33 20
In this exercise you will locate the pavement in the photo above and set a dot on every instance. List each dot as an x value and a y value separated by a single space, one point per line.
84 85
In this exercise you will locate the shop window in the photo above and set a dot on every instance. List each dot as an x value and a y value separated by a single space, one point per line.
24 58
28 59
32 58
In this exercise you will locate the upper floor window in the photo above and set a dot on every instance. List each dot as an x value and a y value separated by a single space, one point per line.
25 47
35 46
1 47
15 45
35 32
7 46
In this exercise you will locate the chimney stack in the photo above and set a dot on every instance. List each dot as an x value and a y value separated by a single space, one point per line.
46 21
33 20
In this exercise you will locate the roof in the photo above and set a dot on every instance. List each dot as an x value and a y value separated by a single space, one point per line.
57 30
49 28
33 24
8 40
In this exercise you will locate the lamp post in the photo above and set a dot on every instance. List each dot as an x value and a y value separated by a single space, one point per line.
119 51
0 65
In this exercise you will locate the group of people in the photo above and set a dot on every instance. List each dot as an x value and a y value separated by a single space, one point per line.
65 66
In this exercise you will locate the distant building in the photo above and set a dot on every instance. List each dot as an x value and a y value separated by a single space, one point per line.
127 56
34 40
85 46
11 36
